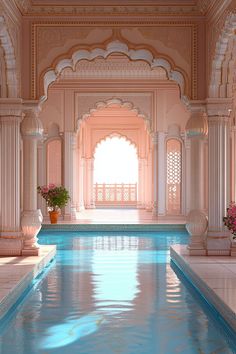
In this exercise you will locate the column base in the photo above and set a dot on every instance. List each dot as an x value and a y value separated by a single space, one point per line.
218 244
196 251
10 247
233 249
31 221
30 252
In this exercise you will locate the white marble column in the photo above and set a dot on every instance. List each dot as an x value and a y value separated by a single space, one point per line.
196 223
155 173
187 173
69 141
88 182
42 177
141 183
76 176
10 229
233 162
148 182
218 241
81 183
31 218
161 174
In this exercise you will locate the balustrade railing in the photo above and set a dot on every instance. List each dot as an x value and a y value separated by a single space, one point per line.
115 194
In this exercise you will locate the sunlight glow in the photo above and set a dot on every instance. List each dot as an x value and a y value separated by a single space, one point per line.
115 161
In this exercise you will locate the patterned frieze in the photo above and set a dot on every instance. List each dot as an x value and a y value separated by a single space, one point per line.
113 7
117 67
220 107
89 101
163 48
10 107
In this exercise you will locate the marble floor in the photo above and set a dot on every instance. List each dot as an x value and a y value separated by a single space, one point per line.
17 273
120 216
214 276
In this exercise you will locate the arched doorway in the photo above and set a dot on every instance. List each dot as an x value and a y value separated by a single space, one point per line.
115 173
113 147
132 104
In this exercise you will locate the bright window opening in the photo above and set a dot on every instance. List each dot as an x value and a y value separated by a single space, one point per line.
115 161
115 172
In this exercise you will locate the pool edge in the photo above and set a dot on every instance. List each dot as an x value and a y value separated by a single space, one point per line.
177 254
23 278
113 227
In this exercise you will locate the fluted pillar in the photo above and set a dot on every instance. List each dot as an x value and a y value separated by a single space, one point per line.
196 223
88 182
155 173
218 241
42 175
10 229
187 172
69 142
233 167
31 218
161 174
81 183
141 183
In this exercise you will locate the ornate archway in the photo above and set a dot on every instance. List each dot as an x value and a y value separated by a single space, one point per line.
116 46
220 85
10 60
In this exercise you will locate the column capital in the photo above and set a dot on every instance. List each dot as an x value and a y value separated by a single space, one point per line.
219 107
197 107
10 107
196 126
31 126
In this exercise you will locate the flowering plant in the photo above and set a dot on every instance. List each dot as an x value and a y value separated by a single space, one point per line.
230 219
56 197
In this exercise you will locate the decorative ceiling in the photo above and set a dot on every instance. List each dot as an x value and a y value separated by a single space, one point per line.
116 7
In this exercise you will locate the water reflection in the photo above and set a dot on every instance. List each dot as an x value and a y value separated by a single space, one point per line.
71 330
112 294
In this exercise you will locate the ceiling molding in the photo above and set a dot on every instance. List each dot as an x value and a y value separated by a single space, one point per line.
114 7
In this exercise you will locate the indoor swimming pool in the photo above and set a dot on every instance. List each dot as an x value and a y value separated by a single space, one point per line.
113 292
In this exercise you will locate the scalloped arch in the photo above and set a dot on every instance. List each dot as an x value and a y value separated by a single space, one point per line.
217 87
113 47
124 104
115 134
10 60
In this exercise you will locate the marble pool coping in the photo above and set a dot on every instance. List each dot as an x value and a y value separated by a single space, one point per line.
214 277
113 227
17 275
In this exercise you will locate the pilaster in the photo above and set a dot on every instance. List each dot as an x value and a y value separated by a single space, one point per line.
218 241
10 230
89 168
161 174
233 167
69 141
141 183
196 223
155 173
31 218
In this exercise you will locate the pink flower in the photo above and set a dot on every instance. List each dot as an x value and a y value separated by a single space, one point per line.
51 186
44 189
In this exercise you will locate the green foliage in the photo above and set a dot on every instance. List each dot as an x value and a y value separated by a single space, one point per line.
56 197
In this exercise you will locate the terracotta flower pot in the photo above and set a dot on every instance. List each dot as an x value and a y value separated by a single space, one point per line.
53 216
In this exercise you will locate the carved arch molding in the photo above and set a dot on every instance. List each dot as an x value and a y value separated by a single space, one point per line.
116 46
12 85
140 104
223 65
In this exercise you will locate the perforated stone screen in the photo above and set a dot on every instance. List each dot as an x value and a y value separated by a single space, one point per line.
174 176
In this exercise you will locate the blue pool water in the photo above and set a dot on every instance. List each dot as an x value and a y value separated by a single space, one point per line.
113 293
